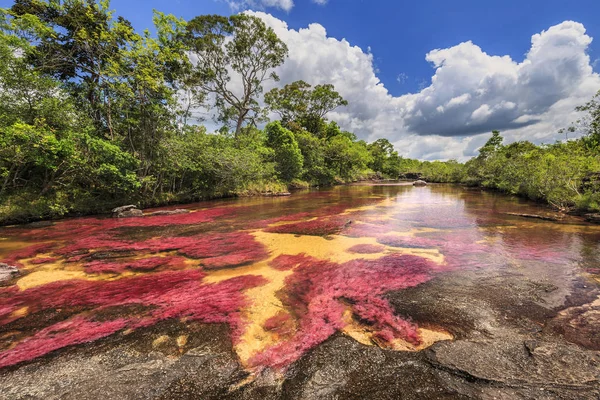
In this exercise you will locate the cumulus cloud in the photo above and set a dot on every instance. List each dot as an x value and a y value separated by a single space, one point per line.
238 5
470 92
503 94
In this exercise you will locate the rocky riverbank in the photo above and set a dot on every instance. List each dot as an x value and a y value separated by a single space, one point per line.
503 349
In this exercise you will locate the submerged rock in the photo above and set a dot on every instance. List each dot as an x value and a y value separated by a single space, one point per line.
533 216
419 183
169 212
7 271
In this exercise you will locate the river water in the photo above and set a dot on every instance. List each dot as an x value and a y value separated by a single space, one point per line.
388 267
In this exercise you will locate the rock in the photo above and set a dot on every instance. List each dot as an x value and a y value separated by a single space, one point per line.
169 212
276 194
580 325
534 216
504 363
7 272
419 183
595 218
127 211
123 209
130 213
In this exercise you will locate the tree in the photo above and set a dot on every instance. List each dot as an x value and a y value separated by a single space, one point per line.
82 47
346 157
492 145
590 123
286 153
297 102
381 150
239 50
313 152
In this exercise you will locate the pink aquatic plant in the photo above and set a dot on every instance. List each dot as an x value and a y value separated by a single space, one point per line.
319 292
143 264
321 226
165 295
366 249
172 254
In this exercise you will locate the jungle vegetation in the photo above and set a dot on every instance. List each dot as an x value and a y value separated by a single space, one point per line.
94 114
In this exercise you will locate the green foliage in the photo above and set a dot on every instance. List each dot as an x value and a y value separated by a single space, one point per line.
286 154
313 154
385 159
298 103
242 46
550 173
346 157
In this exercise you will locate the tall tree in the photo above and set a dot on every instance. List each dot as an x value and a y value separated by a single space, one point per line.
233 58
83 47
299 102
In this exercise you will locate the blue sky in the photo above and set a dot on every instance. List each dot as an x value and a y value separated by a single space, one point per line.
434 77
400 33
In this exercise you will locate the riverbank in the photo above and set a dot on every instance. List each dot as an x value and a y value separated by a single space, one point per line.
26 208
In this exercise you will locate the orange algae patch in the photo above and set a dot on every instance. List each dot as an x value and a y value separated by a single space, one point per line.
60 271
263 304
19 313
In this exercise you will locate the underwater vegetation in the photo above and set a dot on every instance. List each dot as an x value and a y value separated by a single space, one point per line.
283 281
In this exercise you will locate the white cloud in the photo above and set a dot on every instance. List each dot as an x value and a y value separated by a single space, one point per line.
321 2
238 5
401 78
470 92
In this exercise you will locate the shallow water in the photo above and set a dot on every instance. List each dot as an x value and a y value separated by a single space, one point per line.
285 274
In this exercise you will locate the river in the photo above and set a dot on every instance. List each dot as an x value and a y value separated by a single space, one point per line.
363 291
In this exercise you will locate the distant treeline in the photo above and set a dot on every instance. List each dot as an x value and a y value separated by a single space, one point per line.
94 114
564 175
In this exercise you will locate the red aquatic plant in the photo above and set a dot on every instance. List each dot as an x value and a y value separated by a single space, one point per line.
43 260
27 252
321 226
286 262
67 333
319 292
282 324
166 295
142 264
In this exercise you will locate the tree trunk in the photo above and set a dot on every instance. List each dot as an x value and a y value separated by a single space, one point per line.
240 121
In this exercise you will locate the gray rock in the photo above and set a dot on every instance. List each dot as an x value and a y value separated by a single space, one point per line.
534 216
276 194
7 272
169 212
131 213
127 211
419 183
123 209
